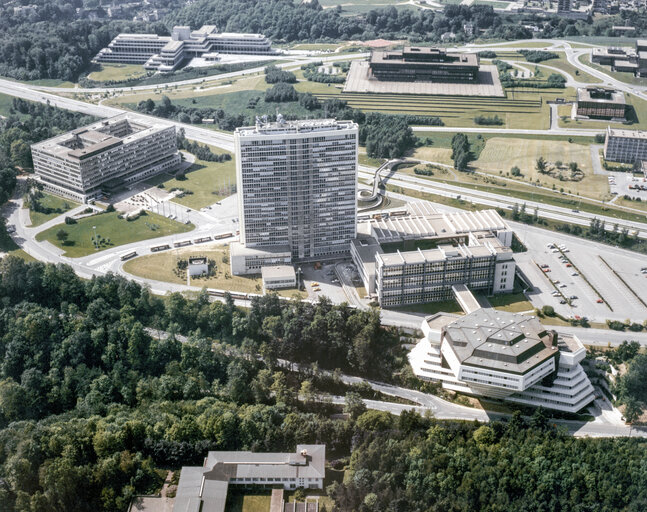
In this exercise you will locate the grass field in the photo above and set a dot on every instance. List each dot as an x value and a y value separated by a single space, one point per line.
500 154
446 306
161 267
238 501
511 302
113 230
563 64
58 204
206 180
117 72
522 108
434 154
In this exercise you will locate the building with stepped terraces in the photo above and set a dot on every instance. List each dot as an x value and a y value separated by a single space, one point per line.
501 355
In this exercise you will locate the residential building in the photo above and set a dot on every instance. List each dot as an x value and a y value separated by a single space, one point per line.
204 488
100 158
415 63
600 102
167 53
501 355
420 254
626 146
297 189
278 277
563 6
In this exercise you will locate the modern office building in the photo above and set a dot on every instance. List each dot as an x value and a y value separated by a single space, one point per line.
415 63
164 53
420 254
204 488
278 277
100 158
600 102
501 355
626 146
297 192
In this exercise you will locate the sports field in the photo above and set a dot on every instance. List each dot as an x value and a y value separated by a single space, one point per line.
111 232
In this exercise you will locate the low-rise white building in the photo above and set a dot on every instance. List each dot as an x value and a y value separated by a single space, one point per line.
198 266
509 356
278 277
204 488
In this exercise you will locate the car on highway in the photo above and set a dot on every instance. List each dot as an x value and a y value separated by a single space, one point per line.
599 301
555 294
575 274
563 301
563 285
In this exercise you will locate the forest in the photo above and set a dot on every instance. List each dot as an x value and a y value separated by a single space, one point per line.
96 403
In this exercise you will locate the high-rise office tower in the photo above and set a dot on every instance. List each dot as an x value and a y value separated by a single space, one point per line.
297 192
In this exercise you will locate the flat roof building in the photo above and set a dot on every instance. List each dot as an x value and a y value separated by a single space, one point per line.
97 159
600 102
297 187
419 256
626 146
414 63
167 53
509 356
278 277
204 488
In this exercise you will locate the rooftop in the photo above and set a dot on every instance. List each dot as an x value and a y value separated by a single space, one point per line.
627 134
278 272
100 136
283 126
238 249
509 342
600 95
426 55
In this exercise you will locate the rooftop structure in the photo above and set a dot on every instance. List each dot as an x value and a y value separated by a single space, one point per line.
509 356
94 160
278 277
297 187
414 63
626 146
600 102
164 53
418 255
204 488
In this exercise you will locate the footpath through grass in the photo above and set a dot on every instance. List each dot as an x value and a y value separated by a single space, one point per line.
57 205
111 232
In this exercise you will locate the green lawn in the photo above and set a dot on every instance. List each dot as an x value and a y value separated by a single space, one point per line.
511 302
57 204
238 501
117 72
430 308
110 227
207 182
6 102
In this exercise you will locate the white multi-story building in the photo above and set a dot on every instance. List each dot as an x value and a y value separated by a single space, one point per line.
297 189
204 488
97 159
419 254
509 356
627 146
167 53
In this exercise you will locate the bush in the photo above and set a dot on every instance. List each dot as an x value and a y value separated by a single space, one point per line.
538 55
110 208
548 310
616 325
487 120
70 220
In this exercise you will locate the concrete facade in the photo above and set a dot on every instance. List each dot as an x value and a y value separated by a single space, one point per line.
87 162
297 187
508 356
164 53
626 146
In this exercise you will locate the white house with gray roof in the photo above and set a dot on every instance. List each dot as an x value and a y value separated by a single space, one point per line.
204 488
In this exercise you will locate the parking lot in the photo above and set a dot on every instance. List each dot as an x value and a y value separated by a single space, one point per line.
325 281
586 261
620 183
